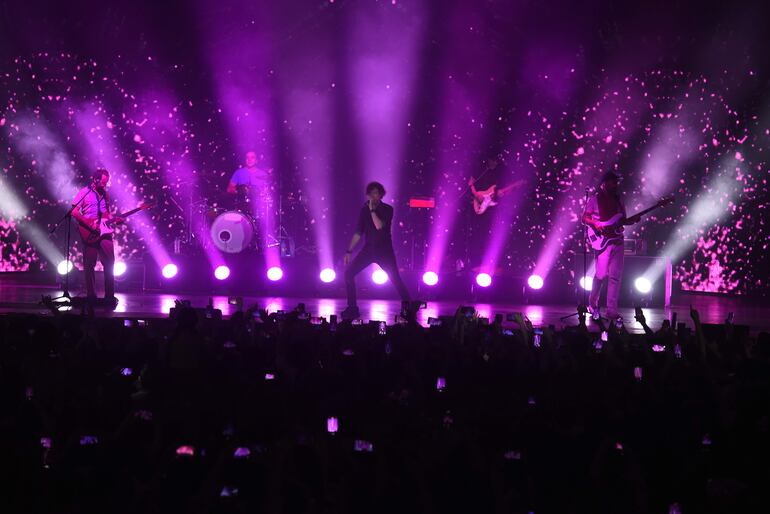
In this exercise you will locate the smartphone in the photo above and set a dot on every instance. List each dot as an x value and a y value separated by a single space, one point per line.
127 323
434 322
316 320
126 372
382 328
332 425
357 322
512 455
605 336
618 323
537 340
657 348
598 345
143 415
638 312
88 440
141 322
185 451
678 351
507 332
638 373
673 319
730 318
45 442
360 445
706 441
228 491
241 452
269 376
29 392
333 322
440 384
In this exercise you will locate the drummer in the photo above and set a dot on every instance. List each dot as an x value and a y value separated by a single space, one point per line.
255 179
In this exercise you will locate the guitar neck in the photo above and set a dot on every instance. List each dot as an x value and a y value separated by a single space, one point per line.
132 211
645 211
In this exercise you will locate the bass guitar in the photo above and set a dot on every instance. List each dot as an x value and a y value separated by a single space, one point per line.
91 235
611 230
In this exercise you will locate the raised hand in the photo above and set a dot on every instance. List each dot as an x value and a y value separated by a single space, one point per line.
694 315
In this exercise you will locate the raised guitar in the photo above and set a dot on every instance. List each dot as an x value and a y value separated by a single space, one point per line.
486 198
91 235
611 230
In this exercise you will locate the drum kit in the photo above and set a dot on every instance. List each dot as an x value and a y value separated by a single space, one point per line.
234 221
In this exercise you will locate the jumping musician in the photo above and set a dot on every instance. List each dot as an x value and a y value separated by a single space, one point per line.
374 223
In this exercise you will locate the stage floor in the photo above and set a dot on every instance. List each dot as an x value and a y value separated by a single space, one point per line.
712 309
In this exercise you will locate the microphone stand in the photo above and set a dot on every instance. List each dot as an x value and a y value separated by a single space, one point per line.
582 309
68 218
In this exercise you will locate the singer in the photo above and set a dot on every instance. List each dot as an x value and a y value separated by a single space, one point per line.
374 222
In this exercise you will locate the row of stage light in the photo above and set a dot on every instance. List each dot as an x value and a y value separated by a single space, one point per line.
379 277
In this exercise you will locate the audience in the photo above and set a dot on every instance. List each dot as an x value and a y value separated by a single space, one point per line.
199 414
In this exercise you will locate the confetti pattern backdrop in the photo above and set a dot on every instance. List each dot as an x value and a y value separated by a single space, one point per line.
666 129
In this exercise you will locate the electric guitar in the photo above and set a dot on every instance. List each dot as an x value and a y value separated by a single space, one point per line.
92 235
486 200
611 230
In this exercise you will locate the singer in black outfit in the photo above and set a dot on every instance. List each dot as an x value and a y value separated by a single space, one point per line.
374 223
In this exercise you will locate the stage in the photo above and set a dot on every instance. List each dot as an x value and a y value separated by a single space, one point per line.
16 298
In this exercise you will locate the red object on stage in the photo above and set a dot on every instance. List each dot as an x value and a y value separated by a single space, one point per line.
422 202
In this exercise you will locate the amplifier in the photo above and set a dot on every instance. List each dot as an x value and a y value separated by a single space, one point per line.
657 270
422 202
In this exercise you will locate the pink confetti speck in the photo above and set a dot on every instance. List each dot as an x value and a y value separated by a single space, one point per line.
137 138
738 156
608 139
580 151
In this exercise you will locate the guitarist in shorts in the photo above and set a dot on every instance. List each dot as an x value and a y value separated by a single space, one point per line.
90 208
605 204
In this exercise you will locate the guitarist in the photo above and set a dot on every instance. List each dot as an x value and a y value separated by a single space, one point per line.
486 198
90 208
605 204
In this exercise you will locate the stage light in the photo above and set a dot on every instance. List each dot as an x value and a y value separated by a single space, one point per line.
328 275
430 278
587 283
64 267
379 277
275 273
643 285
535 281
119 268
169 270
484 279
222 272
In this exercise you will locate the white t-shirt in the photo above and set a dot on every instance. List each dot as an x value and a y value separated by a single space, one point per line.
93 203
